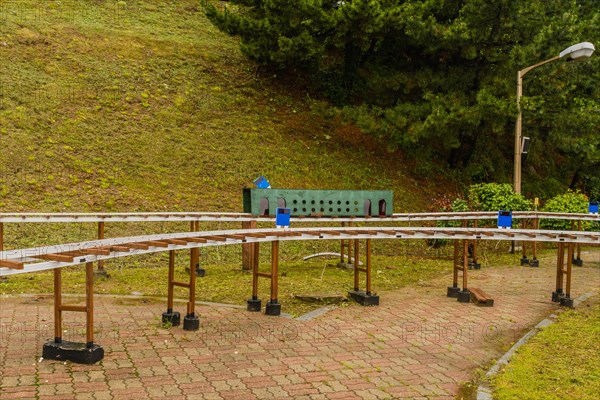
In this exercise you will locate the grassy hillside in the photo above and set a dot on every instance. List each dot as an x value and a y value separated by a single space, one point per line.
144 105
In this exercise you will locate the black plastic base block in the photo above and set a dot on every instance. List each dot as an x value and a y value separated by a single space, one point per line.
363 298
254 305
171 318
453 291
101 273
535 263
557 296
476 266
524 261
71 351
566 302
273 309
464 296
191 323
200 272
578 262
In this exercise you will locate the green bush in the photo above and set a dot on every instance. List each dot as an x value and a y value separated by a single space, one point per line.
497 196
569 202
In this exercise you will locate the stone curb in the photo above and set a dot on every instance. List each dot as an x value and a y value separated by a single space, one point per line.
484 391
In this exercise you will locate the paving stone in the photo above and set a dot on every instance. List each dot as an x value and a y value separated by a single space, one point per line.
402 349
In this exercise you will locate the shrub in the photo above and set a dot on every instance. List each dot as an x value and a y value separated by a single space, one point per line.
497 196
569 202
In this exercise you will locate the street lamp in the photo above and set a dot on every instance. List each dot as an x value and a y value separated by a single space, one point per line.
576 52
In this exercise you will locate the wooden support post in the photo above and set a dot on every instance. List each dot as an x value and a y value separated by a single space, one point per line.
558 294
254 304
476 265
273 306
85 353
567 301
248 248
368 256
57 306
356 265
274 270
578 261
89 304
191 306
569 265
350 248
101 271
463 296
172 318
465 264
456 264
171 278
191 322
452 291
365 298
342 247
255 259
534 261
1 236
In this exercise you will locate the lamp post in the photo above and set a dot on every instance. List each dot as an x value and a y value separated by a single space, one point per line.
576 52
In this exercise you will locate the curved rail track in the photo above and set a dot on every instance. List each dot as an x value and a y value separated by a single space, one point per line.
18 261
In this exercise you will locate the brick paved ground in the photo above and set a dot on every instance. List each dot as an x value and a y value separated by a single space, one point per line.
417 344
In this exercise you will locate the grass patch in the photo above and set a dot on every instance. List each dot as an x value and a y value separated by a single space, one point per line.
145 106
560 362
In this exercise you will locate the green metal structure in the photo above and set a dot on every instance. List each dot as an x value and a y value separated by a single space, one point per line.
327 203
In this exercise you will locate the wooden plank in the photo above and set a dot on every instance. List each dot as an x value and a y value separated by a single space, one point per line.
98 251
140 246
311 233
120 248
157 243
256 235
55 257
334 233
236 237
196 240
216 238
179 242
480 298
11 264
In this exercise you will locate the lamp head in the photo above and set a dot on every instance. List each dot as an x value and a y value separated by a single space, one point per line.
578 51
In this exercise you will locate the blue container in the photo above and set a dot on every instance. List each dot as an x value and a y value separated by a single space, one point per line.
282 217
505 219
262 183
593 207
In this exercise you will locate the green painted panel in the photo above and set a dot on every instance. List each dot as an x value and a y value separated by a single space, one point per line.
340 203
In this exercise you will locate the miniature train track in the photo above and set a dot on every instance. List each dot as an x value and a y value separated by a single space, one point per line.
242 217
50 257
18 261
